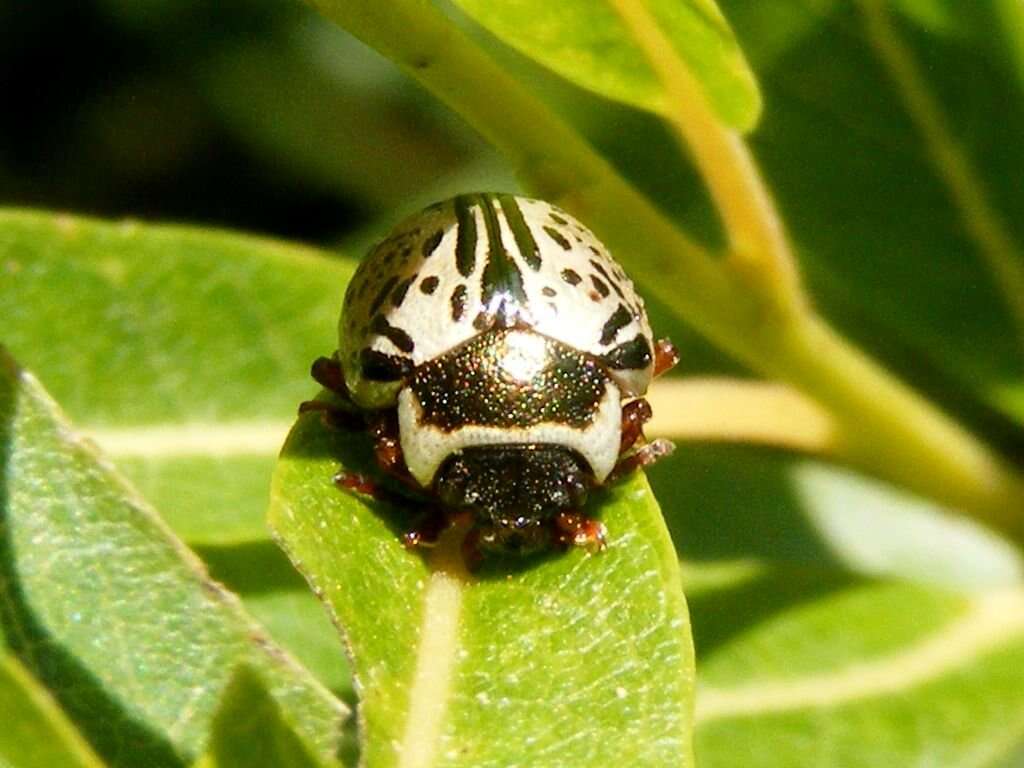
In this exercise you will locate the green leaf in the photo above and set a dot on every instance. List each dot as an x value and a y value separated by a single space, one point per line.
36 734
182 352
587 43
570 659
111 612
884 243
249 729
850 673
804 661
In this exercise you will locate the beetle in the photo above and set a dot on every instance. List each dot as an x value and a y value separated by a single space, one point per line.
498 356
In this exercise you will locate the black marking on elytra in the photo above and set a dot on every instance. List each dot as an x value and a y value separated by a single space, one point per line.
465 239
431 243
554 307
634 354
601 270
395 335
600 285
429 285
571 276
525 242
472 385
557 219
547 291
620 318
458 302
558 237
382 294
398 295
594 250
378 366
501 275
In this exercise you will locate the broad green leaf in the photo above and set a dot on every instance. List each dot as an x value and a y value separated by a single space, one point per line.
35 733
587 43
249 729
111 612
802 661
571 659
846 672
183 352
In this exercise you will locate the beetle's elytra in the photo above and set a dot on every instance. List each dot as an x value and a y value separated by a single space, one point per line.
499 357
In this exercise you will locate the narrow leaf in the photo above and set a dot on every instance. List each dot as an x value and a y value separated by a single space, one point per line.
36 733
110 611
586 42
569 659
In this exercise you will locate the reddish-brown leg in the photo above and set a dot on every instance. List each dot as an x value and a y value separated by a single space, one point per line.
642 457
387 448
326 371
634 415
472 555
665 356
427 530
576 529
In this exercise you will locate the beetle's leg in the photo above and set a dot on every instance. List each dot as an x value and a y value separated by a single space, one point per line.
356 482
427 531
472 555
387 448
333 416
642 457
326 371
665 356
634 415
576 529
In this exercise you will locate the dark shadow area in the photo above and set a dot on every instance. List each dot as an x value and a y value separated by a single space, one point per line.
720 614
120 740
252 567
729 502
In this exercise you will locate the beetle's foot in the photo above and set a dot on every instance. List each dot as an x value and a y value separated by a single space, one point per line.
334 417
326 371
472 554
427 531
643 457
665 356
578 530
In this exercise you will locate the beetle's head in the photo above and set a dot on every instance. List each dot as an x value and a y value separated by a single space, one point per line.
514 491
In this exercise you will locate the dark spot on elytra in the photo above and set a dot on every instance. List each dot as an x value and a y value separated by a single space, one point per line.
382 294
619 319
458 302
398 295
558 237
396 336
431 243
571 276
429 285
630 355
377 366
557 219
548 291
600 285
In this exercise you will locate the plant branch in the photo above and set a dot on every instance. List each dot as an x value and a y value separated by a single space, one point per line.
994 242
885 427
738 411
758 247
